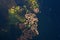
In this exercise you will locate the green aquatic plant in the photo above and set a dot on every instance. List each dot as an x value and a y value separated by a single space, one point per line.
14 17
29 19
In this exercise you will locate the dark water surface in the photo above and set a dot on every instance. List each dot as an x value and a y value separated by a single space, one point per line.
49 21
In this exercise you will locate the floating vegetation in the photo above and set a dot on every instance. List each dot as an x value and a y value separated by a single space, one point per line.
28 22
12 10
32 20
